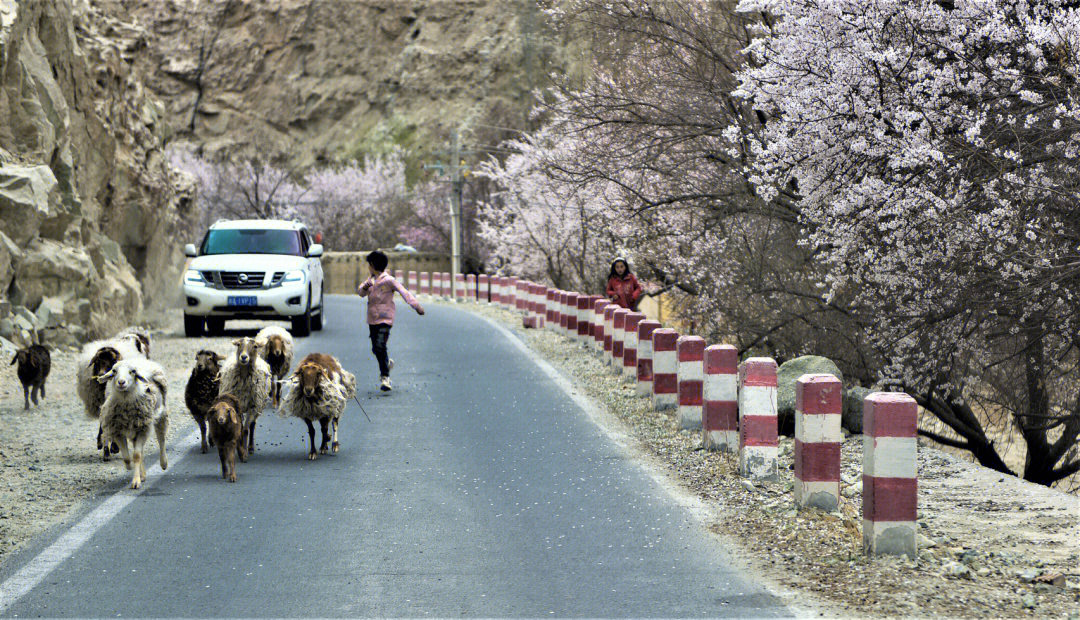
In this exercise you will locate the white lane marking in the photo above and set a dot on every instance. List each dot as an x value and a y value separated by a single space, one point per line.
30 575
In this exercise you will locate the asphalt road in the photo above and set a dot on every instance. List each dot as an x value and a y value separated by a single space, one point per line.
479 489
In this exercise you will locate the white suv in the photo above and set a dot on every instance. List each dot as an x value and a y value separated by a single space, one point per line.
254 269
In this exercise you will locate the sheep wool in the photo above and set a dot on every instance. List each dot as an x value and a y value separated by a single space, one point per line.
249 385
330 402
89 389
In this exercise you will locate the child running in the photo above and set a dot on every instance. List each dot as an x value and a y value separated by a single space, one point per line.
379 289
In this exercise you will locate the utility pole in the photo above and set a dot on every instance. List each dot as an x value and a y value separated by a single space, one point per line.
456 184
457 181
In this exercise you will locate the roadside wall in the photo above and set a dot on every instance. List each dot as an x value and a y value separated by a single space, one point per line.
344 271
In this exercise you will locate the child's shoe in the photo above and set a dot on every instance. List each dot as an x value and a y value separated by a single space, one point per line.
384 384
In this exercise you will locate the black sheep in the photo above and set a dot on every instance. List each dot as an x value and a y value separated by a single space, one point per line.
202 389
34 364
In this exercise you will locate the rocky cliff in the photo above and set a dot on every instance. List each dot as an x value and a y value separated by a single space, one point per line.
88 207
337 78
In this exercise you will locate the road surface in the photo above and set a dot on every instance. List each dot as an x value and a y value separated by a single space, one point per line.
479 489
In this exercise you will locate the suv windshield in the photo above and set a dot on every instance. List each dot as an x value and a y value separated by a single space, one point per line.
251 241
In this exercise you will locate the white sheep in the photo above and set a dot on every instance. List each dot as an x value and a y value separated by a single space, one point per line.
135 394
138 337
276 347
96 359
247 377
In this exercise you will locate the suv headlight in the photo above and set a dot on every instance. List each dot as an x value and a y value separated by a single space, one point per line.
194 276
297 275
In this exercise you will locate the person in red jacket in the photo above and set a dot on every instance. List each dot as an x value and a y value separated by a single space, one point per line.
622 286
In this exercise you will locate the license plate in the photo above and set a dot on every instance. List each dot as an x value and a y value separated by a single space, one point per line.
242 300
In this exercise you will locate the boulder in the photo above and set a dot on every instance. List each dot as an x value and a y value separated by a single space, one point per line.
853 408
50 313
50 269
786 376
28 196
7 328
9 258
7 350
27 317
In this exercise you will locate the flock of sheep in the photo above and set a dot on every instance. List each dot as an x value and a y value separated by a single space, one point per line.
125 390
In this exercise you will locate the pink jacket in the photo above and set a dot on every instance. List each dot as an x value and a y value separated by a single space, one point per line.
380 293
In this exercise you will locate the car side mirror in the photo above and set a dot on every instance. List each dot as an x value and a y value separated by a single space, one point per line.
190 251
315 251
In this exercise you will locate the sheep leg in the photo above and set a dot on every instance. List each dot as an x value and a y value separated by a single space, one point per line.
43 389
335 445
202 431
241 447
34 394
223 455
162 428
230 456
103 444
325 424
26 397
125 452
251 437
312 455
138 464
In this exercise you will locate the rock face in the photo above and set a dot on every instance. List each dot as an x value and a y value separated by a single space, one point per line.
338 78
786 376
89 211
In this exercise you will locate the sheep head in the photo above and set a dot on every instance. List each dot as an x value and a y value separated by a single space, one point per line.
123 376
225 409
275 347
247 349
208 361
309 377
104 360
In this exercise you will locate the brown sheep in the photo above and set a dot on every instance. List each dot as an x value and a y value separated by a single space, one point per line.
228 432
34 365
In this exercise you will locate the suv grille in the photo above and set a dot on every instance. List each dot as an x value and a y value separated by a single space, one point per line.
242 279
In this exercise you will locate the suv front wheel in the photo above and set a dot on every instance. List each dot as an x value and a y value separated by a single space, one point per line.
301 325
193 326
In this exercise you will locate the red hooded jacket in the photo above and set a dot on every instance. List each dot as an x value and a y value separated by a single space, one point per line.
625 291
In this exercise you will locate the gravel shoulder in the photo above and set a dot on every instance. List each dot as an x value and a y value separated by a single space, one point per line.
49 464
985 537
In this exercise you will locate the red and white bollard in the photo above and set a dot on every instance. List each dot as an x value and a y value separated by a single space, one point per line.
541 305
483 281
630 344
414 283
496 290
510 293
598 323
691 354
519 296
571 315
459 287
665 392
890 474
399 275
584 317
470 287
425 283
447 286
609 333
720 407
645 331
759 445
551 309
618 338
819 400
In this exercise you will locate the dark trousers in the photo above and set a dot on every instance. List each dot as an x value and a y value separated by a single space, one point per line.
379 335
